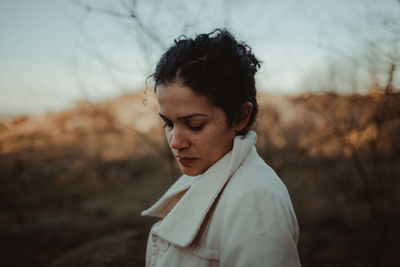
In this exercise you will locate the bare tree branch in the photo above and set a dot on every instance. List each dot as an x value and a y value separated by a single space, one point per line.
130 15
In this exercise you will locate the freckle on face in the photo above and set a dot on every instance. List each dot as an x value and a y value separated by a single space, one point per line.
196 151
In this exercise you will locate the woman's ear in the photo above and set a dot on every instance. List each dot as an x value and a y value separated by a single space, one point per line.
247 108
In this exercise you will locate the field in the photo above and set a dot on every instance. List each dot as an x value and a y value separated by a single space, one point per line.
73 183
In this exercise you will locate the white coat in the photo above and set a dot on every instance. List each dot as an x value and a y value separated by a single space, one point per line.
238 213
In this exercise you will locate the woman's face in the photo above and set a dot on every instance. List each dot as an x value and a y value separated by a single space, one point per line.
197 131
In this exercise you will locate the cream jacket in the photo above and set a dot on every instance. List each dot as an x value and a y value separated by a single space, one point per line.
238 213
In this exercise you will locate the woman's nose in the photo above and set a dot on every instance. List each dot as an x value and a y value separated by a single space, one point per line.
178 139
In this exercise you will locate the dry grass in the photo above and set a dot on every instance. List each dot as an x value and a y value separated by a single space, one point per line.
85 174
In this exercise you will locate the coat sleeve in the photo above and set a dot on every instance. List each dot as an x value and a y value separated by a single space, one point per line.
259 230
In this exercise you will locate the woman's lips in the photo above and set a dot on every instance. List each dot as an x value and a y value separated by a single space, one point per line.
186 161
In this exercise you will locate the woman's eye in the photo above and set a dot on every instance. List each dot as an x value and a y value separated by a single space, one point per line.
168 124
195 128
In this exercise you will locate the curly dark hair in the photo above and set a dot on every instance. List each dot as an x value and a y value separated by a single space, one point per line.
214 65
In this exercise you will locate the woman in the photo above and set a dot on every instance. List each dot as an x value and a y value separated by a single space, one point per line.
229 208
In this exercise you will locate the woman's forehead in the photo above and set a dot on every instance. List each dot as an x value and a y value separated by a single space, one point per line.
180 98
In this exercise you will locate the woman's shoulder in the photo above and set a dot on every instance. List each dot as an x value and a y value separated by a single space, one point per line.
255 178
256 192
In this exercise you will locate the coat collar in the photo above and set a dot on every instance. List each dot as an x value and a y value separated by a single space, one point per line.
181 221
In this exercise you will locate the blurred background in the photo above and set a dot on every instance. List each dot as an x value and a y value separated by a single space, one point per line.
82 151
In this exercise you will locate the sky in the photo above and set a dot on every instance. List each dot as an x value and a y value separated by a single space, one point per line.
54 53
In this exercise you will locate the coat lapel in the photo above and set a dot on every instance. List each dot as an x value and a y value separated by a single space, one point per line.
181 221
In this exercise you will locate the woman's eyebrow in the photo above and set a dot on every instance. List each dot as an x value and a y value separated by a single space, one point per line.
192 115
184 117
163 117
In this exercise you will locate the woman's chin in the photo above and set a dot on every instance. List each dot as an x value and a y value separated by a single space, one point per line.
191 171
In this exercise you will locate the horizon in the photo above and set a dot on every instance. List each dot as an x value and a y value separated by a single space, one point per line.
55 54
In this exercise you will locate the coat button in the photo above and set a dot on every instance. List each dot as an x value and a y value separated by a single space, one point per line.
162 244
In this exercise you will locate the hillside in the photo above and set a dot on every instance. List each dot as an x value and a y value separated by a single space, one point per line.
75 177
